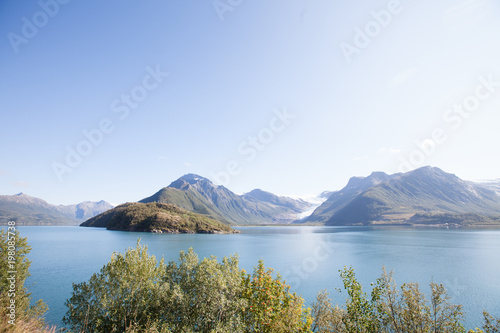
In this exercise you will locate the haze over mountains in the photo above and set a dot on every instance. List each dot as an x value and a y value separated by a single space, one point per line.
493 185
423 196
28 210
419 196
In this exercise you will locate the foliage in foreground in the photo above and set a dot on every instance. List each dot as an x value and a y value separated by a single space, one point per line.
391 309
135 293
16 313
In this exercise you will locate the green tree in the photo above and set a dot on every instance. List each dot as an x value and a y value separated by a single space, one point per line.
125 293
271 306
134 293
327 318
491 325
360 315
14 270
203 296
388 309
445 317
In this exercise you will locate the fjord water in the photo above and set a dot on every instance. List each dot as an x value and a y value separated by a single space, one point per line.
465 261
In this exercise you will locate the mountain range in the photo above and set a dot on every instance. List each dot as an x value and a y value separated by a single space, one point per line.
426 195
199 195
493 185
28 210
423 196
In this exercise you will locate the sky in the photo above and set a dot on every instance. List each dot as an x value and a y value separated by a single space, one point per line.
114 100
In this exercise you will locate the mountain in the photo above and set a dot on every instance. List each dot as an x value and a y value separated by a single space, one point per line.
198 194
155 217
28 210
84 210
267 197
420 196
326 194
493 185
339 199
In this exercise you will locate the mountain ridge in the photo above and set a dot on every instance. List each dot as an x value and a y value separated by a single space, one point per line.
424 195
29 210
198 194
412 197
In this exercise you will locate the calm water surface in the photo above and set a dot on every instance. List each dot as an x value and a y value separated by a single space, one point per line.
465 261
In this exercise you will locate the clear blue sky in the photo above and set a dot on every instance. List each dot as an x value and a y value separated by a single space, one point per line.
350 102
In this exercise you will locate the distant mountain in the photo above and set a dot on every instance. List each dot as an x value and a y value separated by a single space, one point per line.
493 185
198 194
156 217
28 210
339 199
257 195
326 194
420 196
84 210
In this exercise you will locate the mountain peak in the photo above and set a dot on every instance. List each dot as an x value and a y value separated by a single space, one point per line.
426 190
433 172
192 178
28 210
379 174
198 194
256 191
374 178
261 195
428 169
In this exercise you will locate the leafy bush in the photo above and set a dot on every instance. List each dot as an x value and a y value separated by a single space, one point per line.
270 305
16 313
135 293
391 309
